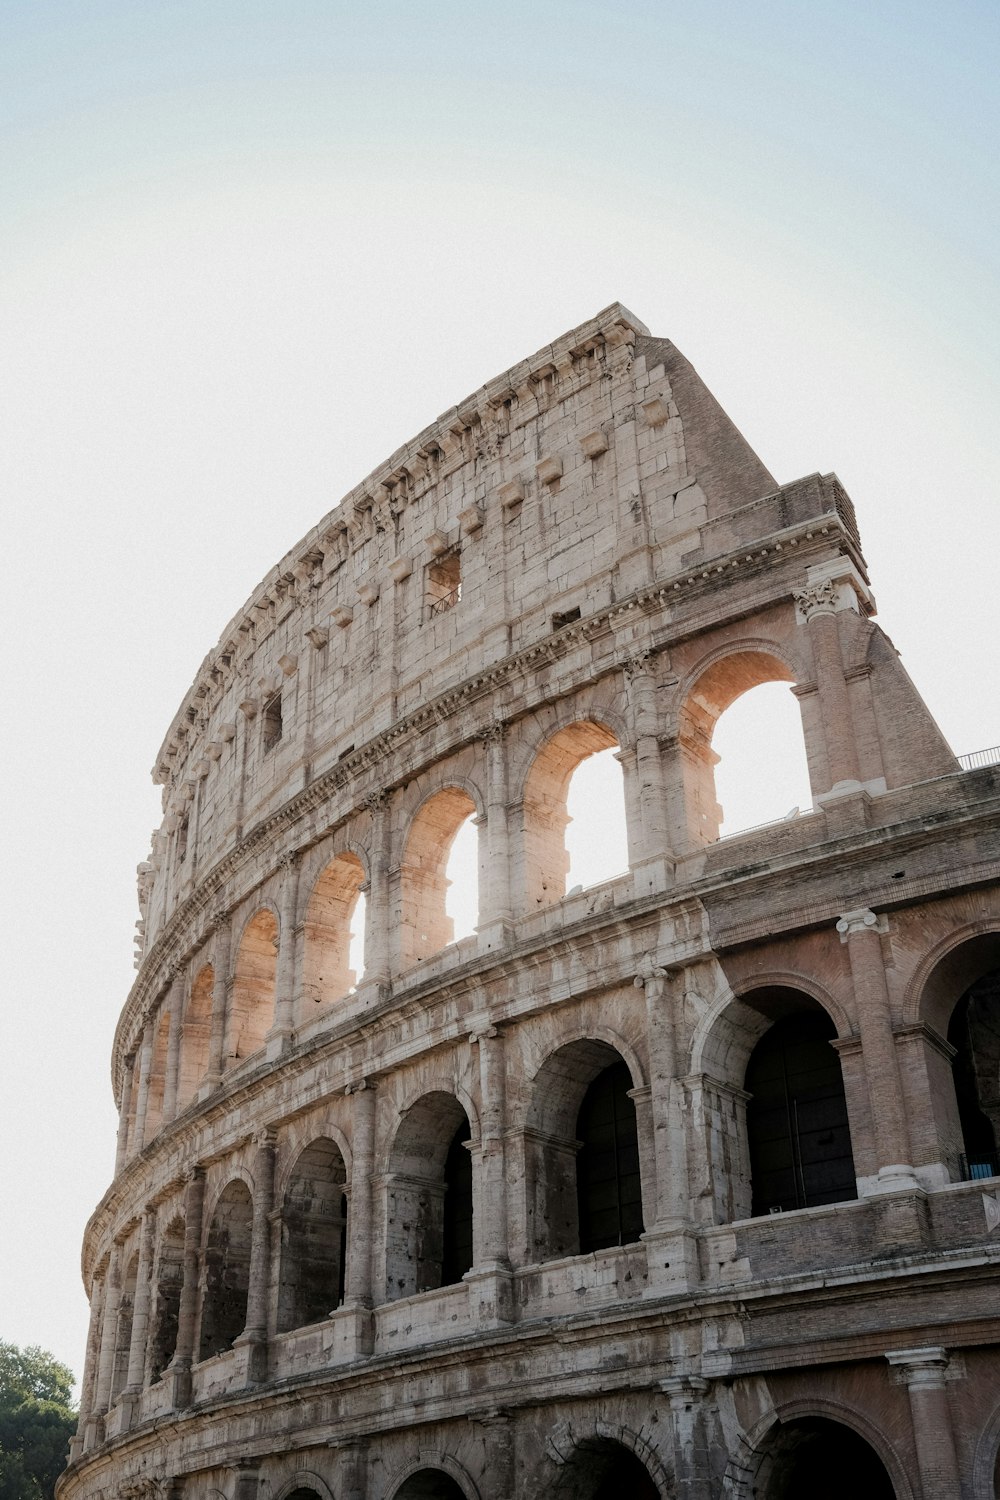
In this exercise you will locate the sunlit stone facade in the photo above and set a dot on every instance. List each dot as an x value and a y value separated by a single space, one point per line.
680 1185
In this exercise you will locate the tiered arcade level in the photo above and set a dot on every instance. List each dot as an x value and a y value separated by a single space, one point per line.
680 1185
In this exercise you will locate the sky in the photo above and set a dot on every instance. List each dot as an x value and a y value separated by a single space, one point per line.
248 250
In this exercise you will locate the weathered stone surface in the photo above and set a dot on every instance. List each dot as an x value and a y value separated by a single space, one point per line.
344 1251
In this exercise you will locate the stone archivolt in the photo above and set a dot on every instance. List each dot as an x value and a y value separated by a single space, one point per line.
628 1191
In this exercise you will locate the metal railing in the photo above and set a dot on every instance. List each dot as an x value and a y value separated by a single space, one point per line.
446 601
977 758
982 1165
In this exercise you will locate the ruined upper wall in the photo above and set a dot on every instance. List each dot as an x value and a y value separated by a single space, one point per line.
583 474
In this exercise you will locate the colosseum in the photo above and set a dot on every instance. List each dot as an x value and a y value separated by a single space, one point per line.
682 1184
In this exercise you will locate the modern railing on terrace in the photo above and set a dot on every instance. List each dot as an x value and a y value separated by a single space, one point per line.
977 758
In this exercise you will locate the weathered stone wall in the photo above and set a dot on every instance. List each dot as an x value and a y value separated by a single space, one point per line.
627 568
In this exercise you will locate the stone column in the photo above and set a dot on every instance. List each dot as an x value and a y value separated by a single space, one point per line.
692 1472
220 1005
819 605
651 840
93 1354
377 918
924 1372
352 1468
247 1485
672 1250
142 1097
109 1327
259 1290
129 1399
497 912
490 1281
121 1151
176 1003
498 1480
179 1370
356 1313
859 930
285 976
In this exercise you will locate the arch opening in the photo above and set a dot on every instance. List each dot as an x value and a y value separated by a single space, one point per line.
333 928
429 1226
313 1237
427 922
167 1300
798 1132
602 1469
596 848
582 1154
254 976
227 1271
815 1458
762 733
195 1037
430 1484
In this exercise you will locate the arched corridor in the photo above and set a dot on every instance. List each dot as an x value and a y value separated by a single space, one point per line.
818 1459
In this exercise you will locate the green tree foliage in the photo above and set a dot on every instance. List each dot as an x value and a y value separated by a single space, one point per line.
36 1421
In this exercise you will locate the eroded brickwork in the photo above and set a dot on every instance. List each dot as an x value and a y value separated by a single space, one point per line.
500 1217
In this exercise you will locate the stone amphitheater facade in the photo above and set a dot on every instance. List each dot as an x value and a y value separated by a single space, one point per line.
681 1185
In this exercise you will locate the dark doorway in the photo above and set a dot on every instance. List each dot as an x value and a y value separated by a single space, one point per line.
430 1484
797 1127
609 1194
816 1459
605 1470
456 1257
974 1032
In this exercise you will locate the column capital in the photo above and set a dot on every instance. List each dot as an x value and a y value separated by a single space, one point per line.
862 919
921 1369
494 733
375 801
638 664
684 1390
651 976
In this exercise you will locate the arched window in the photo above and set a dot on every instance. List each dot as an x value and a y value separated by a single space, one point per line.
797 1127
195 1036
227 1271
974 1032
755 787
430 1484
609 1193
123 1328
747 753
255 971
601 1469
334 917
581 1154
429 1245
823 1460
166 1307
600 845
313 1237
427 926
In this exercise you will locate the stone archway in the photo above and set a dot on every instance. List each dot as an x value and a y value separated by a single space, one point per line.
817 1458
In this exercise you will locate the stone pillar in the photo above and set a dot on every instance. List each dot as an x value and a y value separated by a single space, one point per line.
142 1097
285 976
859 930
89 1382
692 1472
179 1369
377 917
109 1327
490 1281
247 1484
673 1259
356 1313
924 1372
497 910
220 1005
352 1468
651 840
129 1399
121 1151
176 1003
818 605
259 1290
498 1479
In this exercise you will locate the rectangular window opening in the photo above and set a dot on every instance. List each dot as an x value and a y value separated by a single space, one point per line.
272 721
565 618
182 841
444 582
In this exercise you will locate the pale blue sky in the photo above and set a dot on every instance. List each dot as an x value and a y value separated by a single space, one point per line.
247 250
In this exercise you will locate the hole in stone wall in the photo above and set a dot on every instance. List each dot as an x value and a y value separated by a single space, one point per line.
762 774
596 835
444 583
271 724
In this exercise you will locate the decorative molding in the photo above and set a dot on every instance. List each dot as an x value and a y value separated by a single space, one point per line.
818 599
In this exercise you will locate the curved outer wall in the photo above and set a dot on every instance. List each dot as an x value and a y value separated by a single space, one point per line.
585 552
